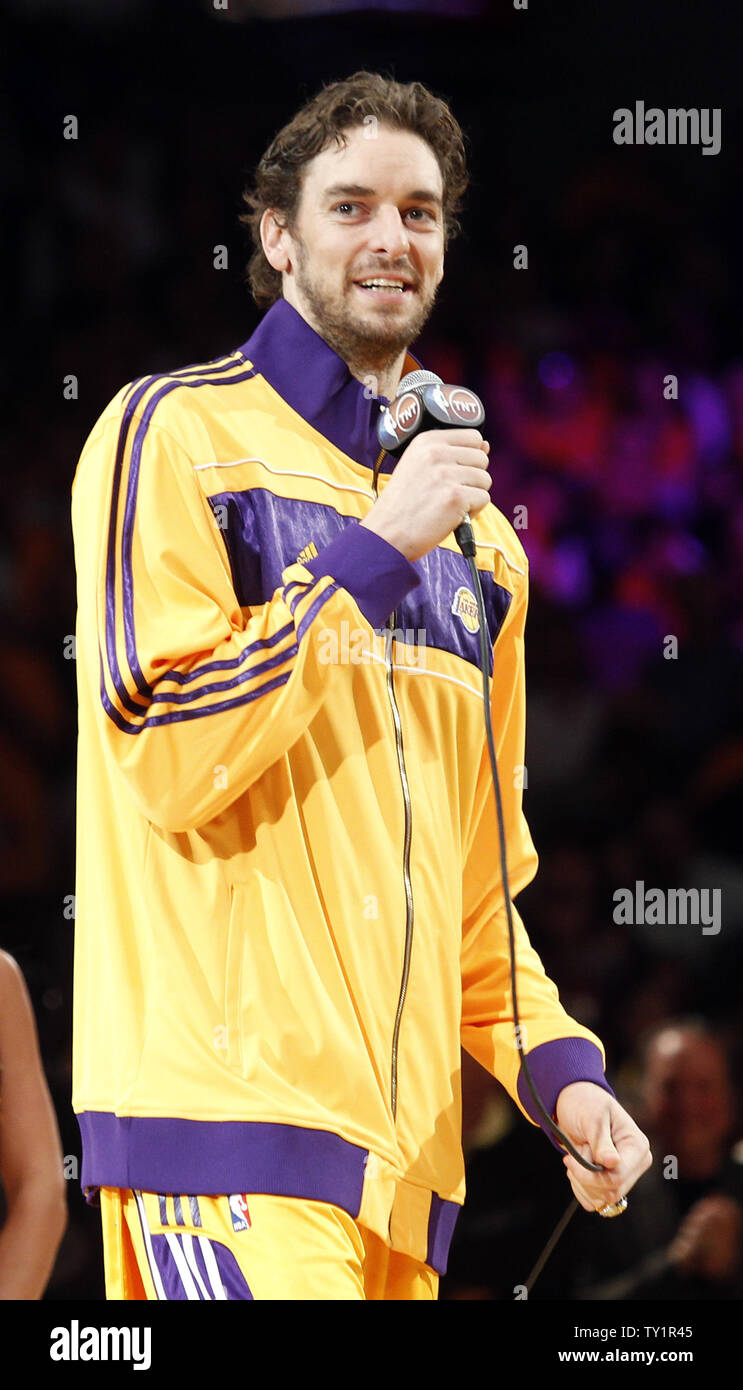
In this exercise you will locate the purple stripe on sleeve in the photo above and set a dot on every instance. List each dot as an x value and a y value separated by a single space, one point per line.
251 650
441 1222
127 535
177 716
217 364
302 593
247 675
554 1065
169 697
150 720
126 421
289 591
313 609
228 663
375 573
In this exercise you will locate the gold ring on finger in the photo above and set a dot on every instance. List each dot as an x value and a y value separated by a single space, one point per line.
613 1208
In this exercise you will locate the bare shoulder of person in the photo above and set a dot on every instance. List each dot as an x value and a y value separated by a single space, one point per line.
12 984
16 1013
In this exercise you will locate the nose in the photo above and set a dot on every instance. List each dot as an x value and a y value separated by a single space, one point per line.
389 235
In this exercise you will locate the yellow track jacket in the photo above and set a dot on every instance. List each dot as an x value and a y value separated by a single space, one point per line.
289 907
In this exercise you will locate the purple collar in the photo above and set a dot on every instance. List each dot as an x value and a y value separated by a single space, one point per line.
311 377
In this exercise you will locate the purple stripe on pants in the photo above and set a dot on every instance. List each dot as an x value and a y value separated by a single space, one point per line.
167 1268
233 1280
201 1275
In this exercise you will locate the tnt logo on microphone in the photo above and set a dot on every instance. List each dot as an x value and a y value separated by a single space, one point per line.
464 607
464 403
407 410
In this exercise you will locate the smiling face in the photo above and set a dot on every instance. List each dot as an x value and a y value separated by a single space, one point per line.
369 209
688 1098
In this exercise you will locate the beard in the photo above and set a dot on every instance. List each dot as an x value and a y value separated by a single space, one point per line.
373 342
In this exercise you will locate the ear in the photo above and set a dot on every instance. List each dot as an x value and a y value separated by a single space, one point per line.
276 241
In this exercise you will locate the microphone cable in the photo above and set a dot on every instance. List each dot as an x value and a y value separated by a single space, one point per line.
422 399
466 541
468 548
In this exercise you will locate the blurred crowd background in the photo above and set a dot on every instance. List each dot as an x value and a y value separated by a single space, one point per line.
628 502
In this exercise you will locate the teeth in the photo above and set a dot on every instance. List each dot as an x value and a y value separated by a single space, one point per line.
382 285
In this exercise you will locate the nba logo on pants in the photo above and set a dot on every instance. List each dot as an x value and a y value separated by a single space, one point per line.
239 1211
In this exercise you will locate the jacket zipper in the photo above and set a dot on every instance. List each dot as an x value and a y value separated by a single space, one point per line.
408 835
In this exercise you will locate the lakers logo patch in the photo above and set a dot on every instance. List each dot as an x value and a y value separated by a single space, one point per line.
465 608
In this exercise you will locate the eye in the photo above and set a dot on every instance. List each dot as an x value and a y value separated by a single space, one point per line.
421 213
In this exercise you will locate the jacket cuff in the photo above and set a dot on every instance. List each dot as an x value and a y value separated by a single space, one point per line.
554 1065
375 573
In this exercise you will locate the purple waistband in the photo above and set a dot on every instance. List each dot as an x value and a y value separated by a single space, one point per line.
212 1157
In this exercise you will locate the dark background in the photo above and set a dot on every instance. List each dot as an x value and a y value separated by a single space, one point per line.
635 507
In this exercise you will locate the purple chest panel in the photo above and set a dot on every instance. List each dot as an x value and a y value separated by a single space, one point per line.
265 533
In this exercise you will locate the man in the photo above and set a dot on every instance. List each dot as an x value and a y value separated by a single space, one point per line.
683 1238
289 904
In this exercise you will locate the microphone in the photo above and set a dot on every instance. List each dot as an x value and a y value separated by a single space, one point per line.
424 402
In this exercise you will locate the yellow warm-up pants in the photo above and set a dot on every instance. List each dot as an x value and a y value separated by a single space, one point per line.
248 1246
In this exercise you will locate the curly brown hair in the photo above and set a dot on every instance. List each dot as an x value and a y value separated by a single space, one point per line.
337 107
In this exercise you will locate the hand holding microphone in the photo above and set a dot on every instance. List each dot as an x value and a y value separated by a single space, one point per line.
442 476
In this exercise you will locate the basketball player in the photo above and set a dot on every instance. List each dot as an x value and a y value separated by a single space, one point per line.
289 907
